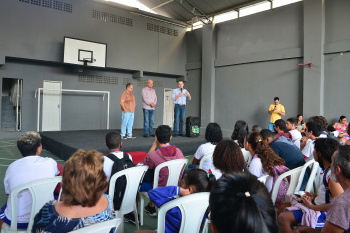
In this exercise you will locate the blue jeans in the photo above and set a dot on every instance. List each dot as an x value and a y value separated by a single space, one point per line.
148 121
127 123
179 112
271 126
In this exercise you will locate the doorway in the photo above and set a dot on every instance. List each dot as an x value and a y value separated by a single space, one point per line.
168 116
51 113
11 113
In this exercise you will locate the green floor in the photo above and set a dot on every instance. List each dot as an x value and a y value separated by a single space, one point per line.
10 153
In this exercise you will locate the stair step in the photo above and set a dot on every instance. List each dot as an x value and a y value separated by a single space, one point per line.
8 118
8 129
7 108
7 103
7 112
8 124
6 98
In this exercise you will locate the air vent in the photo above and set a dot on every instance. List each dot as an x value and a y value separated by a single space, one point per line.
162 29
142 83
98 79
111 18
126 81
158 84
52 4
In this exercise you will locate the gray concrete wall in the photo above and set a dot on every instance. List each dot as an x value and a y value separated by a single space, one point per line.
35 32
256 60
336 68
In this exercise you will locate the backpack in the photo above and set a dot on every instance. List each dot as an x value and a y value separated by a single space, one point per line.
120 184
283 188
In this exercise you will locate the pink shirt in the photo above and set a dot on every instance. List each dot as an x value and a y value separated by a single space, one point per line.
148 97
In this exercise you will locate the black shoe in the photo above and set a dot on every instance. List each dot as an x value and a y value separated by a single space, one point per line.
125 137
145 136
174 135
180 135
130 217
131 137
152 135
151 210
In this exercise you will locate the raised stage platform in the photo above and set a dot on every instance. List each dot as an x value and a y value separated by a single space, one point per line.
64 143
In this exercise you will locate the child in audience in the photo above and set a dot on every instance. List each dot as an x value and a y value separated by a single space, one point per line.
195 181
227 157
324 149
240 203
264 158
239 134
213 135
300 125
341 126
293 132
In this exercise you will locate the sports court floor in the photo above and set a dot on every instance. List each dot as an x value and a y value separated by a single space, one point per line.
9 153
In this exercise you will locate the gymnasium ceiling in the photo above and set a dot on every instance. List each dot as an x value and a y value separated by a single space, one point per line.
186 10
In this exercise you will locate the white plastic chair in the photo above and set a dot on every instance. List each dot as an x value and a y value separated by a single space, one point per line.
192 209
247 156
41 191
294 178
297 142
134 177
263 179
102 227
175 168
205 157
310 182
317 181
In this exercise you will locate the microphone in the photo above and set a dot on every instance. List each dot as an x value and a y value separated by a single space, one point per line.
181 90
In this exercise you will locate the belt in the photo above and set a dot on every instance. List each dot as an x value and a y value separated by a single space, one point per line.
181 104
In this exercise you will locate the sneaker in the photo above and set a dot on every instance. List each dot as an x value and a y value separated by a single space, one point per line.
152 135
130 217
124 137
130 137
151 210
145 136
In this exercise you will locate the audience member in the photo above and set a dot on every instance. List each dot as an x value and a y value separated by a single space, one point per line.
341 126
312 131
347 138
291 155
84 202
264 158
293 132
31 167
240 203
114 143
256 128
324 149
280 127
166 152
240 132
322 121
227 157
195 181
213 135
300 125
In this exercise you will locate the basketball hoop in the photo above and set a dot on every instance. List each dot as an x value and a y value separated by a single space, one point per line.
308 64
88 60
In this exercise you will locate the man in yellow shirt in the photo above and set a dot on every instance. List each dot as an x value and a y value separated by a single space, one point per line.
276 110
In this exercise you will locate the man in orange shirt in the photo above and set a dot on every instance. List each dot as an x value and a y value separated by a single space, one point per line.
128 105
276 110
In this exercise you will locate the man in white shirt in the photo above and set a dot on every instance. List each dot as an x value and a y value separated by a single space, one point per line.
179 97
31 167
312 131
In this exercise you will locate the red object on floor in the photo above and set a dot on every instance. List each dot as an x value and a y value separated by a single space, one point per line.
137 156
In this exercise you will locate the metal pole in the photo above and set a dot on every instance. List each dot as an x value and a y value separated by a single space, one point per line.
17 105
108 109
38 116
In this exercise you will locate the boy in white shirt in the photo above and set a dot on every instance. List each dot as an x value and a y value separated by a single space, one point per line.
293 132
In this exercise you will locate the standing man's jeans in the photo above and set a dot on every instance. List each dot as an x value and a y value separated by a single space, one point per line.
148 121
271 126
127 123
179 112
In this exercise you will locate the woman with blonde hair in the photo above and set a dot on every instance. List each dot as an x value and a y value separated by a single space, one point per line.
84 202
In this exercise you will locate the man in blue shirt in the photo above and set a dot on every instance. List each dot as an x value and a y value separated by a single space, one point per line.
179 97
